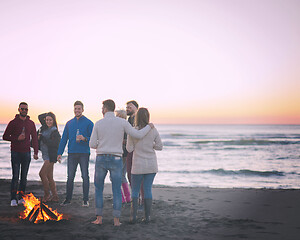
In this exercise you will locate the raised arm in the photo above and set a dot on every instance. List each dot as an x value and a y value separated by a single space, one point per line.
134 132
42 119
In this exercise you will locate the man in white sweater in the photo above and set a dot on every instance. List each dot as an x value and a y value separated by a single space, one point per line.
107 138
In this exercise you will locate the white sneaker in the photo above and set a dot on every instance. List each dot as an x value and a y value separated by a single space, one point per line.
21 201
13 203
85 204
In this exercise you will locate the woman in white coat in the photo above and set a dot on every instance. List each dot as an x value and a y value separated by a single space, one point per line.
144 163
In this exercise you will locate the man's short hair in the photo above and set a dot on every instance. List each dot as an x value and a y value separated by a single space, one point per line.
134 103
109 105
78 103
23 103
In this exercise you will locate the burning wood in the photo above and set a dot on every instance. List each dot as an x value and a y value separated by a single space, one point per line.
36 211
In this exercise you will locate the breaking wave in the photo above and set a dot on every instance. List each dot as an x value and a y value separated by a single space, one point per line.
246 142
242 172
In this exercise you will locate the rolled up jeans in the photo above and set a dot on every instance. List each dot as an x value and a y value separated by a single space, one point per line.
113 164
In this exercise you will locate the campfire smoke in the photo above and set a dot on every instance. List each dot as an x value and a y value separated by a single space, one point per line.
36 211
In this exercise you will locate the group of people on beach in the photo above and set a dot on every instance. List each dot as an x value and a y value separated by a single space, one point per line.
121 147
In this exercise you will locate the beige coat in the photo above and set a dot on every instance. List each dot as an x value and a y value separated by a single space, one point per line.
144 158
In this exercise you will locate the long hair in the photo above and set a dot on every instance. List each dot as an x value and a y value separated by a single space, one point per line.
51 114
142 118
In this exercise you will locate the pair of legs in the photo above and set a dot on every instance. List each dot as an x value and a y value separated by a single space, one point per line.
129 166
147 180
125 188
83 160
46 175
136 180
19 160
113 164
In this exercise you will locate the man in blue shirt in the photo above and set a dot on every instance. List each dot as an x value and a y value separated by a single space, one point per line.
78 132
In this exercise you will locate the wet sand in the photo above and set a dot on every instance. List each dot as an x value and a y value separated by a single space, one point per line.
178 213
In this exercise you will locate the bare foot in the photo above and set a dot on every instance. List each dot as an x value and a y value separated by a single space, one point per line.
98 221
117 222
54 199
46 198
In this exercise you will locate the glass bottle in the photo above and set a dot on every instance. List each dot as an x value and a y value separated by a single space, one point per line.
77 133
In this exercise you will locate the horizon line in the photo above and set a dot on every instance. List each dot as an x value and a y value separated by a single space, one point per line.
254 124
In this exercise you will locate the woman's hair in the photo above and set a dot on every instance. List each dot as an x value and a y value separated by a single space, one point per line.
51 114
142 118
121 113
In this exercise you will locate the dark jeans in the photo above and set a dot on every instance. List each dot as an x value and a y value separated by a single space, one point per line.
83 160
18 160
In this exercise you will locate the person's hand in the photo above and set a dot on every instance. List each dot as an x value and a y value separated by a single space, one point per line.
59 158
35 156
21 137
151 125
40 136
80 138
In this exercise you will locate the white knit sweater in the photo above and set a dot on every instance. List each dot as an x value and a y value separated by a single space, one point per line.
144 158
108 133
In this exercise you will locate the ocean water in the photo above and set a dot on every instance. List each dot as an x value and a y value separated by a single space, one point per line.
218 156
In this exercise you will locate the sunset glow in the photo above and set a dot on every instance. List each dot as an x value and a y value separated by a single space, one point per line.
188 62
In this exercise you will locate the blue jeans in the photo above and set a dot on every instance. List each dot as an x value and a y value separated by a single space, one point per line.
113 164
124 171
136 181
83 160
19 159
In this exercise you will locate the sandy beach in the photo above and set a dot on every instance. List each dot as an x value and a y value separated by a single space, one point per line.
178 213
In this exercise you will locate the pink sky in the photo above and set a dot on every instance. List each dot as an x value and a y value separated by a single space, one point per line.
187 61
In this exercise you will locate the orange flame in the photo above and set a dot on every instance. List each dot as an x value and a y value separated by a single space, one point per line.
32 202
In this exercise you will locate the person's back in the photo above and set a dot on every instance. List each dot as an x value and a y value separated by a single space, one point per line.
144 164
107 138
144 156
108 134
112 132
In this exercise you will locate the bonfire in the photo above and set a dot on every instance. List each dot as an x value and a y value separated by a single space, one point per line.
36 211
